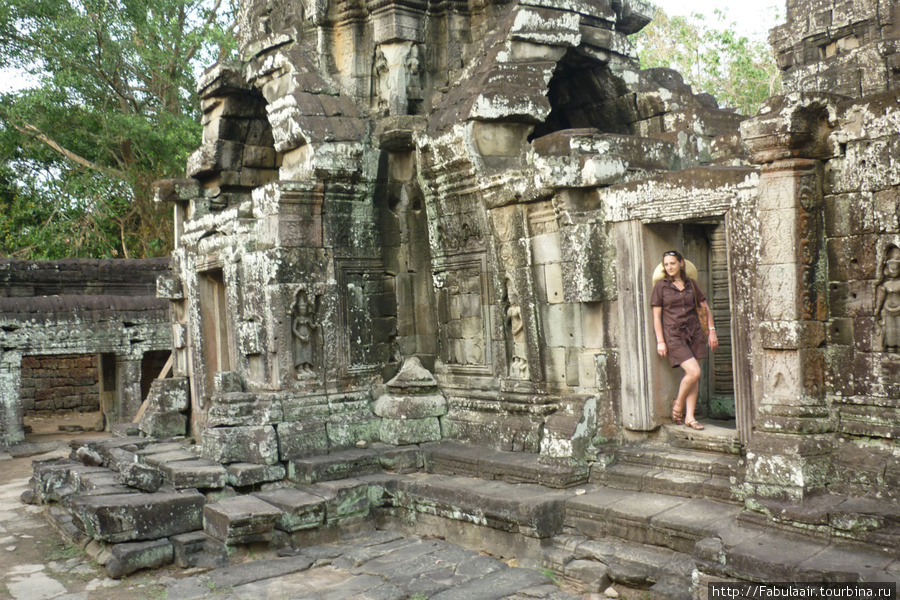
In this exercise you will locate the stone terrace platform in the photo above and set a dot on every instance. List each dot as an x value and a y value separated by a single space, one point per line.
543 514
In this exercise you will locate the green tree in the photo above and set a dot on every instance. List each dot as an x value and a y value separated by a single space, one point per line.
108 108
740 72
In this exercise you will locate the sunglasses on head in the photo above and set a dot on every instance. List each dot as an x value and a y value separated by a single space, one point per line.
672 253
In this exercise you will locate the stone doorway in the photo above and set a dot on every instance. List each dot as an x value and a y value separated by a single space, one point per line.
648 384
214 326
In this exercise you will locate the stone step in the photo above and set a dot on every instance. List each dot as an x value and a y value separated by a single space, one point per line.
718 436
450 458
676 459
676 472
593 565
866 521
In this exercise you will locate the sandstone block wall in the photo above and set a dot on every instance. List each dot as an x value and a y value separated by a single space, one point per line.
65 382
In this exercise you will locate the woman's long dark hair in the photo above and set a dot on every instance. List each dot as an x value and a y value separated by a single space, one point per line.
682 268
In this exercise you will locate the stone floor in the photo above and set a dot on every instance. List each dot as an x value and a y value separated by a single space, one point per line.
36 565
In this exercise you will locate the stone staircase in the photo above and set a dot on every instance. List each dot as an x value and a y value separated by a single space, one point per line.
592 529
663 469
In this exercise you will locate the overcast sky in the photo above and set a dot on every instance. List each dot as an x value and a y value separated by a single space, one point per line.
753 18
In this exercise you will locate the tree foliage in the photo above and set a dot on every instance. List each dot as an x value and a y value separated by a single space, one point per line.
740 72
108 108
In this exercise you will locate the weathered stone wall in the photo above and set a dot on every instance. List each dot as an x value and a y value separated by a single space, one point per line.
73 277
72 307
848 48
64 382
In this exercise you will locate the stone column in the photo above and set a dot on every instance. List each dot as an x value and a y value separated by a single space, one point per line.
11 426
789 453
128 388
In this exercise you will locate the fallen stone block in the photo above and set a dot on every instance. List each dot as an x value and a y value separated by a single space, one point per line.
246 474
51 479
161 458
140 476
131 557
593 576
331 467
197 549
138 517
89 457
170 395
163 424
196 473
300 510
240 520
257 445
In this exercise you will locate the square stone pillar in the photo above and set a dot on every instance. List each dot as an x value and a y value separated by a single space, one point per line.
128 388
11 425
789 453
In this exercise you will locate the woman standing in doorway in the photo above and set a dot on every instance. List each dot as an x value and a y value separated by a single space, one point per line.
679 335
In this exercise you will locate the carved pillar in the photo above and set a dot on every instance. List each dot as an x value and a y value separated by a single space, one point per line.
788 456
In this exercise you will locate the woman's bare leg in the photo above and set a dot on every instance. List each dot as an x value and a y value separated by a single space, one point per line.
689 388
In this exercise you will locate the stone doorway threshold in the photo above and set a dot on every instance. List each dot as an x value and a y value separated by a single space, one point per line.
718 436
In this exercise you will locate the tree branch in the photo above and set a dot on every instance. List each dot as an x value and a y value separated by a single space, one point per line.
34 132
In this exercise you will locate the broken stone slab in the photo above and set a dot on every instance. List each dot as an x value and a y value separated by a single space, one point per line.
240 520
300 510
247 474
138 517
330 467
131 557
254 444
197 473
140 476
343 499
197 549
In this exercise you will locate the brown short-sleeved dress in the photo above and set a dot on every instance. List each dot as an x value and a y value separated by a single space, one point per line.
681 326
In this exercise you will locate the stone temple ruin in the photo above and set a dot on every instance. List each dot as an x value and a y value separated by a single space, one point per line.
411 284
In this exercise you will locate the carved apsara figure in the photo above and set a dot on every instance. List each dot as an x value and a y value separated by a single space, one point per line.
303 328
518 365
887 300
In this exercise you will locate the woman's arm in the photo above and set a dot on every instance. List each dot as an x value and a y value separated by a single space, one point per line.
657 327
713 338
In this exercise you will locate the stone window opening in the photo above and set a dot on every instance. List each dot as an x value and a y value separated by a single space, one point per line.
584 94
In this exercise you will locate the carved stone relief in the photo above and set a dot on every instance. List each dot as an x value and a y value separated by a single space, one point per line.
304 334
887 300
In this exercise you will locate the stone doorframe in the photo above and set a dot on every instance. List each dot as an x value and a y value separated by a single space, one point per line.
648 384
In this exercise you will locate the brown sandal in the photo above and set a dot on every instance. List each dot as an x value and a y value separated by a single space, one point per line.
694 425
677 415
